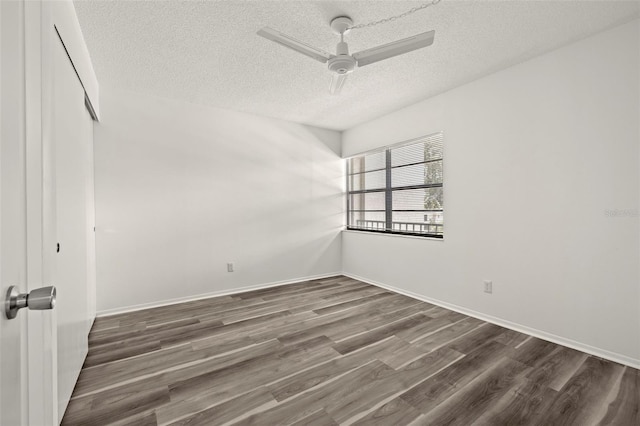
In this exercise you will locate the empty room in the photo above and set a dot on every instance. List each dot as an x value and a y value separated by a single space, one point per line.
389 212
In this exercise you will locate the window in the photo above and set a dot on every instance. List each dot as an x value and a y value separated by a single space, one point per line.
398 190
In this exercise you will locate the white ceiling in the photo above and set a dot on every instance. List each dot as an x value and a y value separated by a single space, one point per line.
207 51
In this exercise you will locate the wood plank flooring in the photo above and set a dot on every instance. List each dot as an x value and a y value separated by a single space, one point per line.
337 351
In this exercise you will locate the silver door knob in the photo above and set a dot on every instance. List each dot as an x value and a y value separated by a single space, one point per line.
38 299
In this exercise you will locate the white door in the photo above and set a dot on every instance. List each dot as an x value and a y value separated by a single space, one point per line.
27 342
13 385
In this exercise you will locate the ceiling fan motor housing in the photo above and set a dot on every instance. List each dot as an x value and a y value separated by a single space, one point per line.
342 63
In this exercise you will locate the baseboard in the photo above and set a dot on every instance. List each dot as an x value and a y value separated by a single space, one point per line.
125 309
602 353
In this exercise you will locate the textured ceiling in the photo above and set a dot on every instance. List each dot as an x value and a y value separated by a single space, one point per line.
208 51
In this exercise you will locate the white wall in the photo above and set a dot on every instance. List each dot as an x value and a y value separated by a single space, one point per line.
182 189
535 157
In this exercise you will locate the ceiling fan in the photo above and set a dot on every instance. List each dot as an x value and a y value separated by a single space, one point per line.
342 63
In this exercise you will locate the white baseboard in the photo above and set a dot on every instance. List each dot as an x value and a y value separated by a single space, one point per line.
125 309
602 353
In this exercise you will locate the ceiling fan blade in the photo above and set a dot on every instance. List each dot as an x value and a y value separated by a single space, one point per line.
291 43
337 81
395 48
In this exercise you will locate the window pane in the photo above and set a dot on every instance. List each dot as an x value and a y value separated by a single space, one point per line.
369 180
418 199
367 220
367 201
365 163
418 174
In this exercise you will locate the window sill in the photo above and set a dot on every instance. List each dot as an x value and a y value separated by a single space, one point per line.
415 237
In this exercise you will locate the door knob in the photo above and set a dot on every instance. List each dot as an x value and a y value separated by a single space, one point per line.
38 299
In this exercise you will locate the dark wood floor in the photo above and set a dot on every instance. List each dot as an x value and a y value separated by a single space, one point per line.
337 351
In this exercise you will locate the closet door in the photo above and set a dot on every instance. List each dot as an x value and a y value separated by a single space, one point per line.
72 130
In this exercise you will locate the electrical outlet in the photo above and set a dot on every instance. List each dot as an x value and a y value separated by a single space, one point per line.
229 267
488 286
